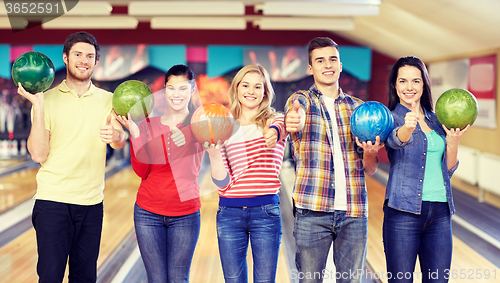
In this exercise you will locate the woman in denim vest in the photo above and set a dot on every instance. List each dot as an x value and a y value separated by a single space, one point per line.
418 200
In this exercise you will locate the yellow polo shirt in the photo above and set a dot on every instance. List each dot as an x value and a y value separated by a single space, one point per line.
74 170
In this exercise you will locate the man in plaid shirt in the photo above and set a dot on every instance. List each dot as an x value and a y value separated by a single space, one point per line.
329 195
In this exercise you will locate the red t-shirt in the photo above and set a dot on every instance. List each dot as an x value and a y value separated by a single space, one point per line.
169 173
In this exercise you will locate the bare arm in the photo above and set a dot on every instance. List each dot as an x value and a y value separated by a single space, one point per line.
453 137
219 171
38 140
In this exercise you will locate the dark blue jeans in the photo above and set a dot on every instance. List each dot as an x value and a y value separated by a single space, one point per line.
427 235
260 224
167 244
314 233
64 230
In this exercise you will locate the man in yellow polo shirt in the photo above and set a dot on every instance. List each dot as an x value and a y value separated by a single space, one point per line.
72 123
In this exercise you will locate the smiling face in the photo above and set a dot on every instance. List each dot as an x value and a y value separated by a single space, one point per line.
409 85
325 66
80 61
178 92
251 91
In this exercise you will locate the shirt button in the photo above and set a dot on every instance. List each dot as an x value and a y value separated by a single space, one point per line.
420 181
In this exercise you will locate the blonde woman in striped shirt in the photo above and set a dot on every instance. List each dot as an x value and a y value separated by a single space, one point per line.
246 171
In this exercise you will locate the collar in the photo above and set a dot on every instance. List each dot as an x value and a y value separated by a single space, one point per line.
315 90
63 87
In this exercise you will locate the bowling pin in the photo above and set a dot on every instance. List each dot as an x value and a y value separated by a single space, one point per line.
3 115
23 150
14 149
4 148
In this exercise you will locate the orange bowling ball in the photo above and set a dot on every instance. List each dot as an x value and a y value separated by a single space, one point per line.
211 123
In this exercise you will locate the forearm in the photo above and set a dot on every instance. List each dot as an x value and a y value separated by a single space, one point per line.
404 134
121 135
451 156
38 140
218 169
370 163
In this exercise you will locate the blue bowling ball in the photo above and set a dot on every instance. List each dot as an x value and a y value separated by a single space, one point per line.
372 119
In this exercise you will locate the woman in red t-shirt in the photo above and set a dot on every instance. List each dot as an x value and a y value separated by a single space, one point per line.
165 154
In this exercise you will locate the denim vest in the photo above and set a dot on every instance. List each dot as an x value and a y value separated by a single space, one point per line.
406 175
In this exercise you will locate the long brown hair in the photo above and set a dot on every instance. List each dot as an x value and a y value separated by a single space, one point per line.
426 98
265 110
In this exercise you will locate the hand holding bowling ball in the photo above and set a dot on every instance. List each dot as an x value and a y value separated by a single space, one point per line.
129 124
34 70
212 123
456 108
372 119
133 97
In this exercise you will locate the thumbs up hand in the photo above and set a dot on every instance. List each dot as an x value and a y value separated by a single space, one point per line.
108 133
293 119
411 118
270 134
177 135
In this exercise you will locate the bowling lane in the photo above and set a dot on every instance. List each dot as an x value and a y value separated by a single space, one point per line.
17 187
18 257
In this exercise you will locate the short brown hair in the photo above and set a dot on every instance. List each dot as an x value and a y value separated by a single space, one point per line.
320 42
81 36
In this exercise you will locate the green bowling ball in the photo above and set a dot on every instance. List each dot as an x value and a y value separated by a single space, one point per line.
135 97
34 70
456 108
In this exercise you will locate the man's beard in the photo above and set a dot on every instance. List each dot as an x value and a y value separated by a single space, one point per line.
73 72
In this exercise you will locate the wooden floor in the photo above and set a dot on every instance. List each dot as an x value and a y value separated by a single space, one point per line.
18 257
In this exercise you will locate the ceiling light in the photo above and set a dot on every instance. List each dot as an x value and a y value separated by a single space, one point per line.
294 23
220 23
85 8
157 8
13 22
293 8
110 22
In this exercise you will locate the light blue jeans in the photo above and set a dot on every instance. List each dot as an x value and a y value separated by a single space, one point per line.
260 224
167 244
314 233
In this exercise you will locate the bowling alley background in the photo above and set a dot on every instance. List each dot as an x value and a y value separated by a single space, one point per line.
144 54
458 40
213 65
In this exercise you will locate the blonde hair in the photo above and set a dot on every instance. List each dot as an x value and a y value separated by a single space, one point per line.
265 110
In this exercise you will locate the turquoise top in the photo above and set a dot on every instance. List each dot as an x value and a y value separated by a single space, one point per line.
433 188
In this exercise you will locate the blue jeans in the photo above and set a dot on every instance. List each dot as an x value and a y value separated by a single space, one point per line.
427 235
64 230
167 244
260 224
314 232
